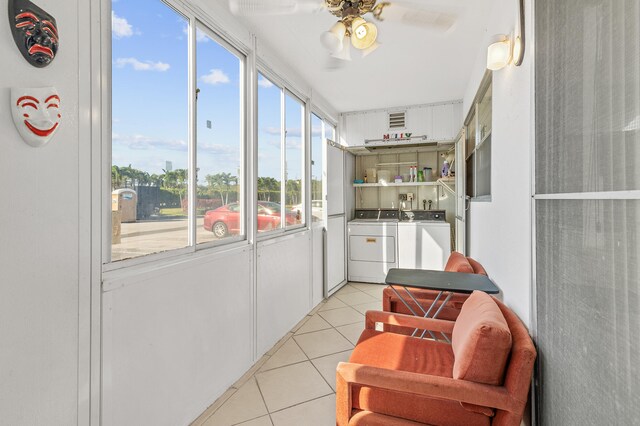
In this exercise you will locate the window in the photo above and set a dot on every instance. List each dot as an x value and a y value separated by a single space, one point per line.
478 144
219 136
317 168
281 158
150 136
294 160
269 151
152 133
321 131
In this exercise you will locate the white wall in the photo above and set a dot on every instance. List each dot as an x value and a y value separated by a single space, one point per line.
284 287
175 338
439 122
43 228
500 236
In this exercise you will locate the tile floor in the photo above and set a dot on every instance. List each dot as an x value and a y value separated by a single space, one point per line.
294 383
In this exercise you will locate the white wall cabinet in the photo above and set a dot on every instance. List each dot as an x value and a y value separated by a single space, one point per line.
439 122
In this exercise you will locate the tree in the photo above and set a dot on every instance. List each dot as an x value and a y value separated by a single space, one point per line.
266 187
222 183
176 181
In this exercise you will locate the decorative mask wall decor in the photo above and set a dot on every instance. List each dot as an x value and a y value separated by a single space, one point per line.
36 114
34 31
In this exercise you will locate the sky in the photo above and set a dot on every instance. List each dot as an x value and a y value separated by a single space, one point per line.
150 99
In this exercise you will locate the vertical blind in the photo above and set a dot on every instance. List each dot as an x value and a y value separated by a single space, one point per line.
587 92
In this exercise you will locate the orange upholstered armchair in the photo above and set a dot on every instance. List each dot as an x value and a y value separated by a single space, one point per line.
482 378
457 262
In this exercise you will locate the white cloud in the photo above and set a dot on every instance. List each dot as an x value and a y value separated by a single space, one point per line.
120 27
201 36
145 143
214 77
142 66
219 150
292 132
140 142
263 82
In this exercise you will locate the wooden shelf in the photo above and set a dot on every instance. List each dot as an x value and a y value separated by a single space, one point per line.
376 185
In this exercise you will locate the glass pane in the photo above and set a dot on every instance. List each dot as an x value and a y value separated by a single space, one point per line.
471 192
269 155
330 132
483 173
471 135
294 140
317 169
485 114
219 141
588 311
587 96
150 129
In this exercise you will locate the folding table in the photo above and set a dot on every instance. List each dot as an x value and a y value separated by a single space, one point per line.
442 281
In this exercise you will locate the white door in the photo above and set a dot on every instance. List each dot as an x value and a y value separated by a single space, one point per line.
461 191
336 219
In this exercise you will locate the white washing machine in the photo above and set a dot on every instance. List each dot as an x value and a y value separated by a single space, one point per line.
424 240
373 236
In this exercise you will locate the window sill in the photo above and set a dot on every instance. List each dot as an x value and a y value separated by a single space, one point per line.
281 233
118 274
481 199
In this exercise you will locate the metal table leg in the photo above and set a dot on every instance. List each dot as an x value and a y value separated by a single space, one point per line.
426 314
438 313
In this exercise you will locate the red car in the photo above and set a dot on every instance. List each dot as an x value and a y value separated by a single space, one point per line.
225 220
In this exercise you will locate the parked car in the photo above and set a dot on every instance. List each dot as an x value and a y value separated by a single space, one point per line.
225 220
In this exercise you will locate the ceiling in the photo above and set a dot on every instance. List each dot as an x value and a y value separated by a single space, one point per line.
414 65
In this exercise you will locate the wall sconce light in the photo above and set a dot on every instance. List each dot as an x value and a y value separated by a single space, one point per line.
503 49
519 40
499 53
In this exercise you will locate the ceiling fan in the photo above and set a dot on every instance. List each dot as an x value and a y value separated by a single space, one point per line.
352 29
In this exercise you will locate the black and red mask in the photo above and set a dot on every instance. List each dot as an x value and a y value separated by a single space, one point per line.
34 31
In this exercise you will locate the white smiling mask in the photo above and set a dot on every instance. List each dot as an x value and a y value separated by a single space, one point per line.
36 114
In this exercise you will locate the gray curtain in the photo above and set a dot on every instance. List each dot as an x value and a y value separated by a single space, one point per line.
587 214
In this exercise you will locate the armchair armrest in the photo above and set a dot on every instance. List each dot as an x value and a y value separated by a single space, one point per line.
410 321
348 374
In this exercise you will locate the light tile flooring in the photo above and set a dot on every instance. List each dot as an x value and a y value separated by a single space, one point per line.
294 383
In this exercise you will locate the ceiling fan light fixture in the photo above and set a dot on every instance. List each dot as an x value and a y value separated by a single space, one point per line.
369 50
363 34
344 54
333 39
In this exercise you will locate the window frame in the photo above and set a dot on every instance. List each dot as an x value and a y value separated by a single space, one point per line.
327 125
194 20
473 119
285 89
244 103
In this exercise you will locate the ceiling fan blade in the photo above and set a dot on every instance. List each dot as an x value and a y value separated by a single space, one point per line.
274 7
435 18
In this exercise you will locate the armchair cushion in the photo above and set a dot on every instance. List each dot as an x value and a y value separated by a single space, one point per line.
481 341
477 266
457 262
392 351
399 352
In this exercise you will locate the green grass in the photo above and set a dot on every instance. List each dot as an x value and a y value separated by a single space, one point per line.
172 212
